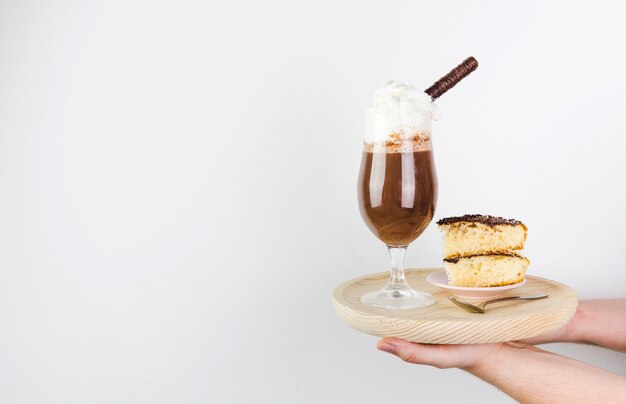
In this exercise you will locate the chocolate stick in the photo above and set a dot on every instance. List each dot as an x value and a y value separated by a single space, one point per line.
452 78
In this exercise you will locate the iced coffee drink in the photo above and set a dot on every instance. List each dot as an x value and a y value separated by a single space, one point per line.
397 186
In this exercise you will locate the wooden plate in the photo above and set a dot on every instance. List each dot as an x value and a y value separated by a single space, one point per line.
445 323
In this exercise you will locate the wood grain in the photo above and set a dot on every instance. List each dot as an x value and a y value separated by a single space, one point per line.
444 323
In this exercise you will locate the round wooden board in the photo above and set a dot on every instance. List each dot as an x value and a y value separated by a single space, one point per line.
445 323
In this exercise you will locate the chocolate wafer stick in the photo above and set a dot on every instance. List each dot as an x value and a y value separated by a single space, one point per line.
452 78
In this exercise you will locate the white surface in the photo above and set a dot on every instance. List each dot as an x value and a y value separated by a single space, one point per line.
440 279
178 186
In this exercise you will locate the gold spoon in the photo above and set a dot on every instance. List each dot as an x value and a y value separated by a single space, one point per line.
480 308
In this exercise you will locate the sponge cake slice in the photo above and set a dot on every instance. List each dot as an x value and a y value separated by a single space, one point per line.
480 234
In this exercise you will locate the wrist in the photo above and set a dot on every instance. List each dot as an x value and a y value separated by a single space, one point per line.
489 363
576 328
503 361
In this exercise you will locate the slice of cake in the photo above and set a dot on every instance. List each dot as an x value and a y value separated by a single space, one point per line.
480 234
486 270
483 251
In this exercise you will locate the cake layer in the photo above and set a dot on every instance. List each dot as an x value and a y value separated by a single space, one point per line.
479 234
486 270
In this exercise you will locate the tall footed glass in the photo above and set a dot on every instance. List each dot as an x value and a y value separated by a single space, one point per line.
397 194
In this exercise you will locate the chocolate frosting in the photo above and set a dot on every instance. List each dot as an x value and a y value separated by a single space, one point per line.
483 219
510 254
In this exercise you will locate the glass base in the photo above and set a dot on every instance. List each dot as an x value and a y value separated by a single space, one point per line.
404 298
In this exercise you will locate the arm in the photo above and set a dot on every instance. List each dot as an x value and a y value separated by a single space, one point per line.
598 322
525 373
529 374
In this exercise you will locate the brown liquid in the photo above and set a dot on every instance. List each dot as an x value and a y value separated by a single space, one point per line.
397 194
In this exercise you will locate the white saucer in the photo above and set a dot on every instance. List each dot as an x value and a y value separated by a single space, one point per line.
440 279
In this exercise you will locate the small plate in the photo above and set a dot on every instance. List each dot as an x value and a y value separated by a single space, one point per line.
440 279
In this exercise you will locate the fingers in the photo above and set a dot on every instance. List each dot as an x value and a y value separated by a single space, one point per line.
538 340
559 335
570 332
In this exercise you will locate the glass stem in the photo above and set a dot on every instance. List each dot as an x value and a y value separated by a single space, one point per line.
397 280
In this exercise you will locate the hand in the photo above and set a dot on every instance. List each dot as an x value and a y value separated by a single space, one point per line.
570 332
525 373
441 356
469 356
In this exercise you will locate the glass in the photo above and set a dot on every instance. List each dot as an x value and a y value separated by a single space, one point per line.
397 194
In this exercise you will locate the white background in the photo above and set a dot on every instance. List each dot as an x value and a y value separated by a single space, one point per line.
178 186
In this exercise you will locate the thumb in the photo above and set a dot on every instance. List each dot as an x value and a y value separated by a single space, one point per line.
421 354
442 356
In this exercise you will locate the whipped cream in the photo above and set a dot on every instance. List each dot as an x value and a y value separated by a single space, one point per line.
400 110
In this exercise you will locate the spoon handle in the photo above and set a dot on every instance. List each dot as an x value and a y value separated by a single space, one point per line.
504 299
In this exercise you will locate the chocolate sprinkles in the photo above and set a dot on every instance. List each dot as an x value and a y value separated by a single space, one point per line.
483 219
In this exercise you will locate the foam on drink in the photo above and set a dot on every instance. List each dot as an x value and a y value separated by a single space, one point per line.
399 116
